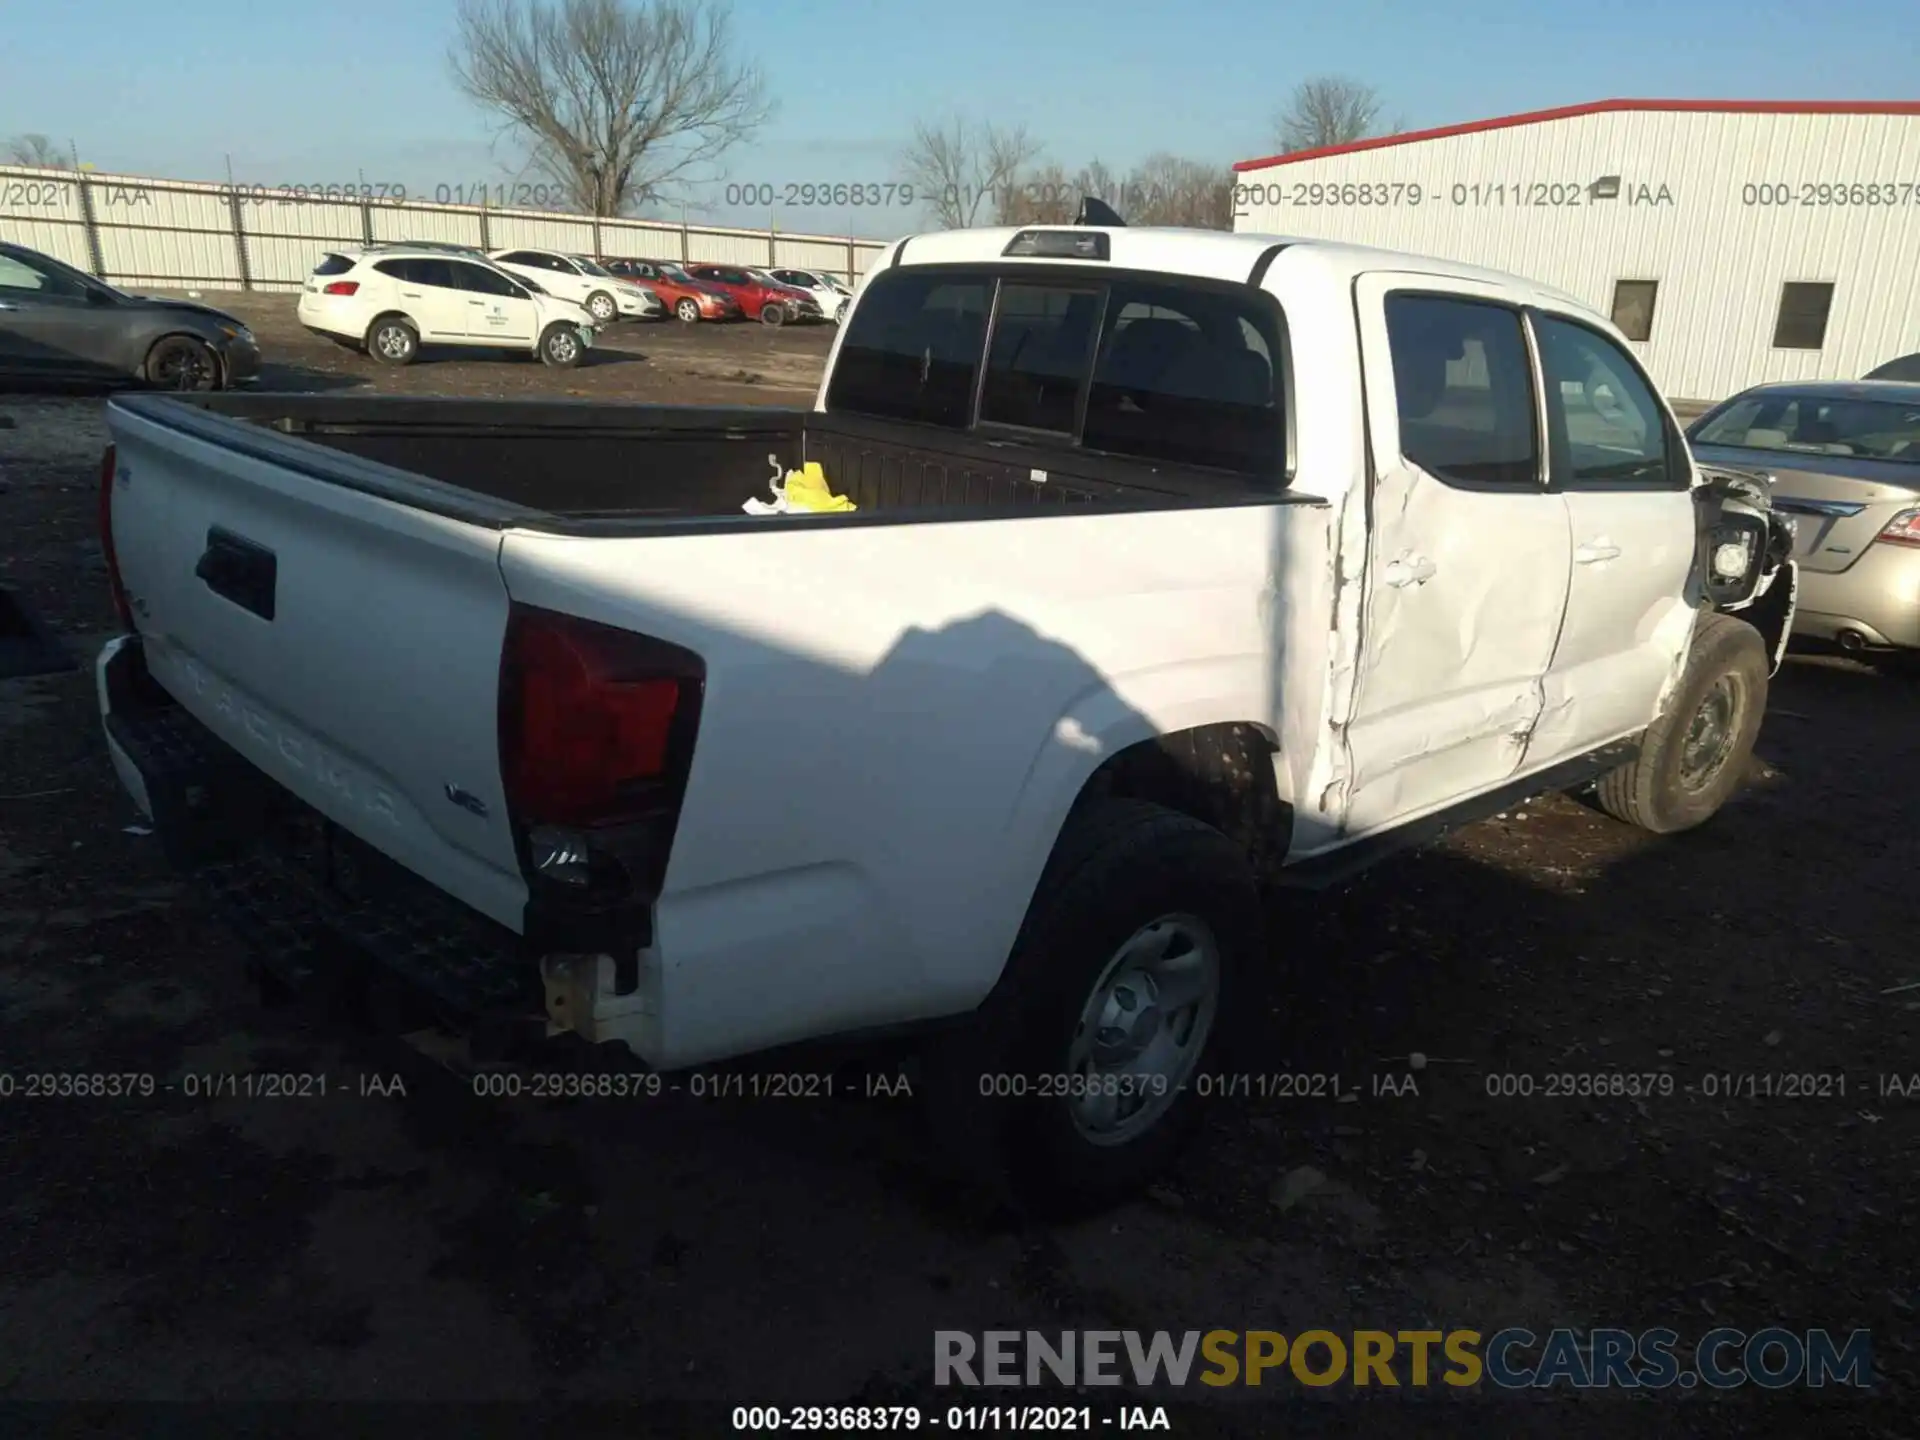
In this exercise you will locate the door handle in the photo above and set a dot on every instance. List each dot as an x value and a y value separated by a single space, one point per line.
239 571
1594 551
409 294
1409 570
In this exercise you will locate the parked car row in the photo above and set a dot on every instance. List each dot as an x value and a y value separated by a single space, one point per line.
390 300
695 292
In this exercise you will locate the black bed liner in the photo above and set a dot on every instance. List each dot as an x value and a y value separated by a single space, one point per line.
599 467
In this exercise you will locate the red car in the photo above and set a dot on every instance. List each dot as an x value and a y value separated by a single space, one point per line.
683 296
763 299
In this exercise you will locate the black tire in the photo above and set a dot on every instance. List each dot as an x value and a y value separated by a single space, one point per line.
561 346
688 309
180 362
773 314
1119 866
392 340
1687 768
603 307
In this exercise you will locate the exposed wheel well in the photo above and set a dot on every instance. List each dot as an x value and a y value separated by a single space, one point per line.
1219 774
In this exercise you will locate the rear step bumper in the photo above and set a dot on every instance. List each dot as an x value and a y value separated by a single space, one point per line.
317 907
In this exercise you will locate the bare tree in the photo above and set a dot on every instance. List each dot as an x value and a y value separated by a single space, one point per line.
1171 190
1327 110
1045 195
37 151
1161 190
618 102
961 169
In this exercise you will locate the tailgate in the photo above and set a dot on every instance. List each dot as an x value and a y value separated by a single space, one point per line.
345 642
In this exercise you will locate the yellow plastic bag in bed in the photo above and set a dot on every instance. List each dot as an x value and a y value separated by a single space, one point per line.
806 489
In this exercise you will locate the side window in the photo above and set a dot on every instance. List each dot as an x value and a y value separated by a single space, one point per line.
22 276
913 349
16 276
398 269
1605 425
1463 389
562 266
1178 377
333 265
479 280
437 273
1037 360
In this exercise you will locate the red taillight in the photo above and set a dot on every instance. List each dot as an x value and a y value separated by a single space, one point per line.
342 287
595 722
109 466
1903 529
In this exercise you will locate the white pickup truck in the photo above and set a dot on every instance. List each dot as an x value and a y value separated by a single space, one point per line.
1182 561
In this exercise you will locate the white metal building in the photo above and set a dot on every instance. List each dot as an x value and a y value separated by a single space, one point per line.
1734 241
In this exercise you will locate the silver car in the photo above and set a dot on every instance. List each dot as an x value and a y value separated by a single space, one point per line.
1843 459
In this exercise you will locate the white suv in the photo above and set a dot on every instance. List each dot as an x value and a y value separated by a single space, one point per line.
828 293
390 301
606 296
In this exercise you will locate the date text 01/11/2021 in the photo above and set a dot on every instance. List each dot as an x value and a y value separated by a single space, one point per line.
197 1085
1462 194
1055 1419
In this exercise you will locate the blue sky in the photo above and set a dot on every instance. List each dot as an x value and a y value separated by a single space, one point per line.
350 90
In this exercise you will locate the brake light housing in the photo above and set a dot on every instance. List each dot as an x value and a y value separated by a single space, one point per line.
342 287
597 728
109 469
1902 529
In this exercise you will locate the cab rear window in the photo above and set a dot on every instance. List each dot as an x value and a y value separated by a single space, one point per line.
1149 367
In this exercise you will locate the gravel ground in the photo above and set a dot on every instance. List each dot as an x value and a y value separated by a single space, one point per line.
694 1256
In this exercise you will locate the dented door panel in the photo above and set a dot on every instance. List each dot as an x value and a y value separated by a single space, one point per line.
1465 590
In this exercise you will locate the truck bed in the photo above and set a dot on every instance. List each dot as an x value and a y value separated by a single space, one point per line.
591 464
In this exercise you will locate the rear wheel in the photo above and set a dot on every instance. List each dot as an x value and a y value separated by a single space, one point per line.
392 340
561 346
1692 758
688 310
773 314
601 306
1073 1086
180 362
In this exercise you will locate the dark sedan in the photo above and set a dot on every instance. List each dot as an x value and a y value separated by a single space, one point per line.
59 323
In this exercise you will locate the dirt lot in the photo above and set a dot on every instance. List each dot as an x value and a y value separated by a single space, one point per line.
682 1257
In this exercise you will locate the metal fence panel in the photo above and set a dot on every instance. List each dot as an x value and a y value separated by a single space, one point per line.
201 234
517 228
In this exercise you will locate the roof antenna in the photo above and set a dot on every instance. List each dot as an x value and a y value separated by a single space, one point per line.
1098 212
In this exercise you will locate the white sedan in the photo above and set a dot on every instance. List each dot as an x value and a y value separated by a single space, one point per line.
390 301
828 293
606 296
